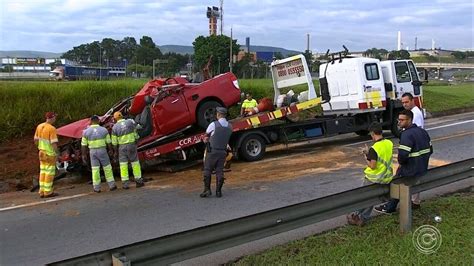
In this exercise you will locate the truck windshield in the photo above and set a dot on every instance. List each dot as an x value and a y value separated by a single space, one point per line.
401 69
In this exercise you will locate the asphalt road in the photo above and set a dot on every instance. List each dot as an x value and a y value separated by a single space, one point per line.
44 232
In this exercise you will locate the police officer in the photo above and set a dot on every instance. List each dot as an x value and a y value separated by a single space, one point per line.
97 139
124 138
218 135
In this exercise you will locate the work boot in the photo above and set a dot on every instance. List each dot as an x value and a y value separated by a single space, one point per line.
207 188
54 194
113 188
219 189
139 183
125 185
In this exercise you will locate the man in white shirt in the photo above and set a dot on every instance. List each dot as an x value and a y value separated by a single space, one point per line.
409 104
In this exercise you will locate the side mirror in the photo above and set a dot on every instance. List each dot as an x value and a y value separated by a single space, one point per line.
416 83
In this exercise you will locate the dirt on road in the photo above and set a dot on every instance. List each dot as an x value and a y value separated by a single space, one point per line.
19 163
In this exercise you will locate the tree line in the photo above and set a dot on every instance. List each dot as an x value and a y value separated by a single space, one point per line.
139 57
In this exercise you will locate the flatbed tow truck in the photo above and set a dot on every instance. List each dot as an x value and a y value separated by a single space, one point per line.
354 92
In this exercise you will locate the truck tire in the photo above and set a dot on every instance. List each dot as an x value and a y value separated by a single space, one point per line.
207 113
252 148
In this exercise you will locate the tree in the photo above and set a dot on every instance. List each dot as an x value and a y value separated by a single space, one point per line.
219 47
459 55
147 51
376 53
308 55
401 54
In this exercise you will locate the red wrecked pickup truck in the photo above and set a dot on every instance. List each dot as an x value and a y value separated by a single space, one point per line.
164 109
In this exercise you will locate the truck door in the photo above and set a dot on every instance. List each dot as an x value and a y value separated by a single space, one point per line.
415 80
403 78
373 87
171 113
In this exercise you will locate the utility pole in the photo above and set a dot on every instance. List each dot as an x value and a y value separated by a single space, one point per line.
231 56
222 15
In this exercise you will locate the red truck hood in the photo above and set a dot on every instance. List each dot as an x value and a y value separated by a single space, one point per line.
74 130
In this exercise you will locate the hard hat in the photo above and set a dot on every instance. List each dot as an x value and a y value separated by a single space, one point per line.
118 116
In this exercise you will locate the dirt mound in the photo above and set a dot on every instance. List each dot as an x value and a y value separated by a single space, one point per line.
18 164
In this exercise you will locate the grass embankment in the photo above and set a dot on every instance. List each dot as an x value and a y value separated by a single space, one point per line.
24 103
380 243
439 97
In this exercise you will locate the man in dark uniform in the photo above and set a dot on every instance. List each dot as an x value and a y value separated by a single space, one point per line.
414 154
218 135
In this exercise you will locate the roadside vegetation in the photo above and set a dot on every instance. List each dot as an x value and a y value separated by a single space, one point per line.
24 102
380 243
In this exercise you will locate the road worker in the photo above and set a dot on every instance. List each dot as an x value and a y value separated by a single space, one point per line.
248 106
379 169
97 139
124 140
218 135
409 104
47 141
414 154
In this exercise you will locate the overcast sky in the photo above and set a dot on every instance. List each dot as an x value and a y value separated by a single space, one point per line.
59 25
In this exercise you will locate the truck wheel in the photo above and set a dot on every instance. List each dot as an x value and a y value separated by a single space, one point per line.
396 131
207 113
252 148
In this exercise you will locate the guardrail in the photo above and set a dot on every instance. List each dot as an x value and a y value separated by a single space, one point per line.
188 244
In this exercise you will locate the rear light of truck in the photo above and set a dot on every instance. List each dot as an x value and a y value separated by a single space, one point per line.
363 106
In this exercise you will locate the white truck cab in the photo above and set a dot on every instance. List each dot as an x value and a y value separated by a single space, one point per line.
360 85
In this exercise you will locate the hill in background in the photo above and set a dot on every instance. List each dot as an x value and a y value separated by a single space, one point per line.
29 54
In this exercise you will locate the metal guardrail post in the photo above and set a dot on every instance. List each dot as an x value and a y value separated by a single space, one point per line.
402 191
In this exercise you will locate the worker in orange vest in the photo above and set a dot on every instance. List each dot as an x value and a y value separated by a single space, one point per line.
47 141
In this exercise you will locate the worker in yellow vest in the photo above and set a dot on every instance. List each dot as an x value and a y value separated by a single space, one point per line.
97 139
124 140
47 141
379 169
249 106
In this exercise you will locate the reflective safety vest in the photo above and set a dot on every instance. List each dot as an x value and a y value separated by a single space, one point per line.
95 137
124 132
46 135
383 172
249 104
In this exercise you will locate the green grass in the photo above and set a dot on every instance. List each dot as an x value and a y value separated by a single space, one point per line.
380 243
439 98
24 103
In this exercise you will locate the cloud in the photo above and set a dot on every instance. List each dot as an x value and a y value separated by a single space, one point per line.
62 24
